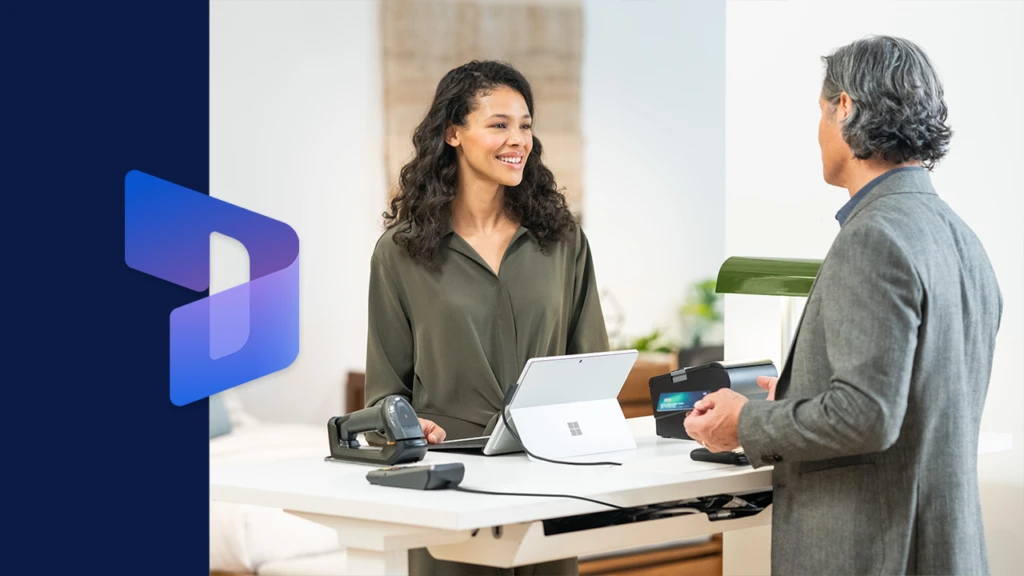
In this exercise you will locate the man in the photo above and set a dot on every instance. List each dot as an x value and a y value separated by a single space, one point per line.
873 424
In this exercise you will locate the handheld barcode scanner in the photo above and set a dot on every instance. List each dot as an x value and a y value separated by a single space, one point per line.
394 418
674 394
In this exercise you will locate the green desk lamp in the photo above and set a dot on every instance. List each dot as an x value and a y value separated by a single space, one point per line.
788 277
767 276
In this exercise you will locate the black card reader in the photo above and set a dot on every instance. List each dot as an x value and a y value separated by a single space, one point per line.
674 394
424 477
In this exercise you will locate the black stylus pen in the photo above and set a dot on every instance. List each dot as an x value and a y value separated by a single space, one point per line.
705 455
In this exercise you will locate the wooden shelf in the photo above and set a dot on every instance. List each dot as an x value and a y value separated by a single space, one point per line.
635 397
703 559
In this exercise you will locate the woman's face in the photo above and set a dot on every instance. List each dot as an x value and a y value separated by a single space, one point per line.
496 139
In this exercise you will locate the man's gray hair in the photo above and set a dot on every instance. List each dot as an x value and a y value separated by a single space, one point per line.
898 111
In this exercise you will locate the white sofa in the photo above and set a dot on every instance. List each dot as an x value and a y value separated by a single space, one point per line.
267 541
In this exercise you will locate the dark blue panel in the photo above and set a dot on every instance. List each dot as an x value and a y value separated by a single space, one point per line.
104 472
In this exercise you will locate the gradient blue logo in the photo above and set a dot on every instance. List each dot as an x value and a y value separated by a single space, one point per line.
231 337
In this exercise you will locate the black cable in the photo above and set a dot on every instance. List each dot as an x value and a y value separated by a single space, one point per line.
527 450
584 498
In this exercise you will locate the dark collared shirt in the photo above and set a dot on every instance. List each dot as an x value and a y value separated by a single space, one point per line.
847 208
453 340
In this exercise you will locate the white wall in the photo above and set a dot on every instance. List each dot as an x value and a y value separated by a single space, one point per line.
295 134
778 205
653 118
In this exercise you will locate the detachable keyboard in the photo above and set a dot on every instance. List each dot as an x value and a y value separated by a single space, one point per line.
475 443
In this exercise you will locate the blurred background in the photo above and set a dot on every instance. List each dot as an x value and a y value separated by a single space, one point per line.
683 131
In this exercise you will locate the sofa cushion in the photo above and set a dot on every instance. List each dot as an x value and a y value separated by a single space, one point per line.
220 423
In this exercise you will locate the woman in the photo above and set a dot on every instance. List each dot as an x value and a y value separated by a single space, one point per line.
482 267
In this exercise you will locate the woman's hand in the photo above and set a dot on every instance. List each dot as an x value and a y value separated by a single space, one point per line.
434 433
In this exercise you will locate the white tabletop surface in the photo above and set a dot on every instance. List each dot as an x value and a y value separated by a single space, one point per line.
659 470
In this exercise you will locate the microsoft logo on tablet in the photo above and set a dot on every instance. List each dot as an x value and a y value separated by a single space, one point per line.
231 337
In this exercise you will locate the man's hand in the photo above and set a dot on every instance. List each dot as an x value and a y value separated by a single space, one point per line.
714 421
434 433
769 384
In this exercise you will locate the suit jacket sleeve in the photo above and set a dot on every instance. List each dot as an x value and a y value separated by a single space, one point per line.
587 330
871 314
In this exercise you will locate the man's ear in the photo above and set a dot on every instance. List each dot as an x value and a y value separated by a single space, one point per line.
844 107
451 137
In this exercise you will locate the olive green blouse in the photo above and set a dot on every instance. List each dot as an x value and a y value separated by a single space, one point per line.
453 339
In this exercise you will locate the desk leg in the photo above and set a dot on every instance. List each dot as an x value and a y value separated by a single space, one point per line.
381 548
377 563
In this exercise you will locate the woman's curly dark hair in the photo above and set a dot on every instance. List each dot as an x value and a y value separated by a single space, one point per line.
428 183
898 111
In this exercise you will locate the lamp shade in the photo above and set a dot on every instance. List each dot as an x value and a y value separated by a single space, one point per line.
767 276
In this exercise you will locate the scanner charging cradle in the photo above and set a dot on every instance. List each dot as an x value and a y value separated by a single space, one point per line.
393 418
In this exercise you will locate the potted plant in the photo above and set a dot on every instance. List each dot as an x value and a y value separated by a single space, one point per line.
657 355
653 347
702 318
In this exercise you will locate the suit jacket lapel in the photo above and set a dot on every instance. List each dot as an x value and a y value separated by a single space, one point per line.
902 182
787 368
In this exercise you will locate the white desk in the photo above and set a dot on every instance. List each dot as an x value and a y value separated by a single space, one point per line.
378 525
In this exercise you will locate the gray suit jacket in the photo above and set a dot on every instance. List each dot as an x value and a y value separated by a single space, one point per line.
874 429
